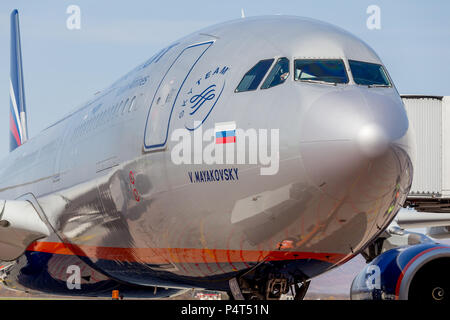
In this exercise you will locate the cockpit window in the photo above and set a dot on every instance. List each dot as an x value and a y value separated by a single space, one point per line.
278 74
320 71
369 74
254 76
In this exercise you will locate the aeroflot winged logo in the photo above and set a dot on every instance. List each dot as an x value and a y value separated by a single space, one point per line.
200 95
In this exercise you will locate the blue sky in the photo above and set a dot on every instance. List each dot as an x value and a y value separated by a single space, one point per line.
63 68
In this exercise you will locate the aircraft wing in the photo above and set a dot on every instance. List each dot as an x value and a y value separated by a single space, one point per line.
20 225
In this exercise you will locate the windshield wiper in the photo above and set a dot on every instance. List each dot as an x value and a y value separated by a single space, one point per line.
378 86
319 81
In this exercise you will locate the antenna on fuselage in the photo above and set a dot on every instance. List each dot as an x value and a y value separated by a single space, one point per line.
242 13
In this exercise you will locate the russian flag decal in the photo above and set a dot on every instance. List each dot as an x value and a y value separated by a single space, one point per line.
225 132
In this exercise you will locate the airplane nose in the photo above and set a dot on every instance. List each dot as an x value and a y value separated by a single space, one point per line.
372 140
352 137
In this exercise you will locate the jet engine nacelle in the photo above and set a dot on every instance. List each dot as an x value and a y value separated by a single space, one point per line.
418 272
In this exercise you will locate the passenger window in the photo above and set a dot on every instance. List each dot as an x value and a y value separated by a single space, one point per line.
278 74
125 106
132 103
254 76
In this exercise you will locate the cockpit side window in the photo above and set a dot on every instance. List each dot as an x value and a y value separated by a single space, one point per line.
254 76
278 74
369 74
320 71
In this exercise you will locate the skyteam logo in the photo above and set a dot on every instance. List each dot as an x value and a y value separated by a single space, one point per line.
225 143
198 100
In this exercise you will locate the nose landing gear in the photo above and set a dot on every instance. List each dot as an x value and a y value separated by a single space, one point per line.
300 289
275 288
269 289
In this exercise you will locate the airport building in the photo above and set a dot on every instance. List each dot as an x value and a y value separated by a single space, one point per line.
429 118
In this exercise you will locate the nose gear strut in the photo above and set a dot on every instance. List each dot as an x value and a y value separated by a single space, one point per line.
271 289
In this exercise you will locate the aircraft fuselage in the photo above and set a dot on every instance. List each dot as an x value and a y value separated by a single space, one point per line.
121 208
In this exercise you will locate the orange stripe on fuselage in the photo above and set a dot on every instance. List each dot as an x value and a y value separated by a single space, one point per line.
178 255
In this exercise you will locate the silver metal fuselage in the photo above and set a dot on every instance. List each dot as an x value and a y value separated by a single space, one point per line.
105 181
